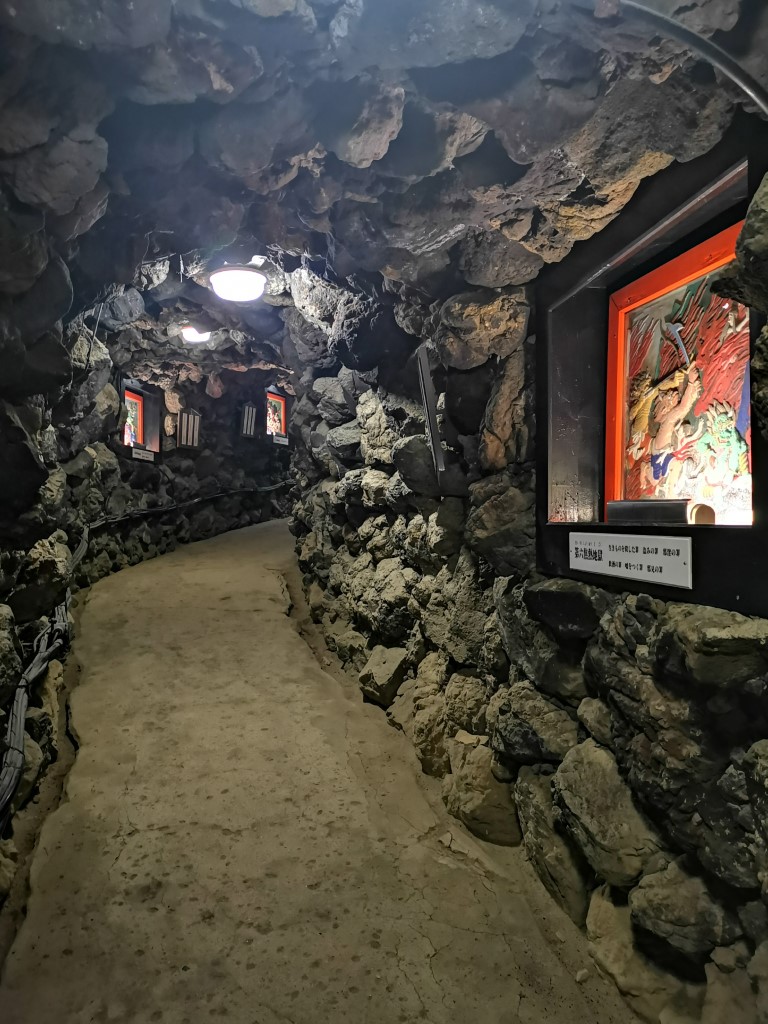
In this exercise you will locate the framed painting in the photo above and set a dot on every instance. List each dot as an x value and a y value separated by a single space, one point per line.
277 417
133 432
678 401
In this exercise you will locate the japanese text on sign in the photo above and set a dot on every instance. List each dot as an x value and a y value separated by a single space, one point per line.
664 560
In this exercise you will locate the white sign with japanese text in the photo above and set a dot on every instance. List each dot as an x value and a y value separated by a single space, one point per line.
143 455
662 560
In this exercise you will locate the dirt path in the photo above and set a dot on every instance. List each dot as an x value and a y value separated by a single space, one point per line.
244 839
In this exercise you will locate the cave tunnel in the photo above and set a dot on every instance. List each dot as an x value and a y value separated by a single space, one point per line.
383 495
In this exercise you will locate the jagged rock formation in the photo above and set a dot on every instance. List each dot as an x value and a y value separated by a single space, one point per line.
406 171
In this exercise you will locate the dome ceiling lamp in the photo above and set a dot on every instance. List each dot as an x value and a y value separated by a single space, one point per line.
239 282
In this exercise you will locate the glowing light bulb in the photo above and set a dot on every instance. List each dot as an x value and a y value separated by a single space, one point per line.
238 283
191 334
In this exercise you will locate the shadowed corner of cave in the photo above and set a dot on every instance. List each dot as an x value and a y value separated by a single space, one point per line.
302 716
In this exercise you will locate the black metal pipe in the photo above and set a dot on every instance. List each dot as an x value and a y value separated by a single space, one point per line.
716 55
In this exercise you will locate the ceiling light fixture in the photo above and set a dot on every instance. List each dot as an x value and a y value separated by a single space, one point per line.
191 334
240 283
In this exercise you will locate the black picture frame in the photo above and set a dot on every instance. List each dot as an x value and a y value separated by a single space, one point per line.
152 397
670 214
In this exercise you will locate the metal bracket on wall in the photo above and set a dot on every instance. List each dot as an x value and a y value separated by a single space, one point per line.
429 399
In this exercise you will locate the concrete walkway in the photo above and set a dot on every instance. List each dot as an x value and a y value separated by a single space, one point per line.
243 839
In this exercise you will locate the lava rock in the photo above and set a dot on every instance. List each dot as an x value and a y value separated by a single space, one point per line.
557 861
383 674
678 909
529 729
344 444
466 698
122 310
22 472
43 580
647 988
503 530
10 655
572 610
474 796
478 325
507 435
597 808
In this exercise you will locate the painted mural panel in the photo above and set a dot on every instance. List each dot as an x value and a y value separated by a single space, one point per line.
684 430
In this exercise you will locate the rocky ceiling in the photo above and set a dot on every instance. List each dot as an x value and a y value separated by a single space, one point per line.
406 166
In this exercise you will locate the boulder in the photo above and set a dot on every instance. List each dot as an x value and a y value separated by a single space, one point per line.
503 531
383 674
381 598
352 648
678 909
596 807
419 710
555 670
344 443
647 988
572 610
364 34
413 460
508 430
595 716
729 996
474 796
43 580
10 655
475 326
713 647
375 488
556 860
34 764
530 729
9 860
457 610
378 436
358 126
491 260
122 310
22 472
332 402
466 698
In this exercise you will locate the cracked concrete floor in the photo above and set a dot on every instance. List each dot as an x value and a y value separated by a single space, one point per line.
243 839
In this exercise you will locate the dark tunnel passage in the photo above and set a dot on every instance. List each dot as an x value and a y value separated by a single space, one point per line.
426 343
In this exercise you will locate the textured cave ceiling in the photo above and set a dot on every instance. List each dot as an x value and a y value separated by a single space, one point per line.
408 167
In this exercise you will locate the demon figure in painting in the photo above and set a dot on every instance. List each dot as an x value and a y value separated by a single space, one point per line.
684 387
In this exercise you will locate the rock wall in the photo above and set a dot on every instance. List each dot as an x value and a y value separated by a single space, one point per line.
63 466
385 160
621 739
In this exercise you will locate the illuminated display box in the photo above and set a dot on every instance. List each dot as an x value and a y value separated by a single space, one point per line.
141 431
678 403
277 416
133 432
643 394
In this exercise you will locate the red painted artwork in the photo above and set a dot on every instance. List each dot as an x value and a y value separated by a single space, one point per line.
678 388
133 432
